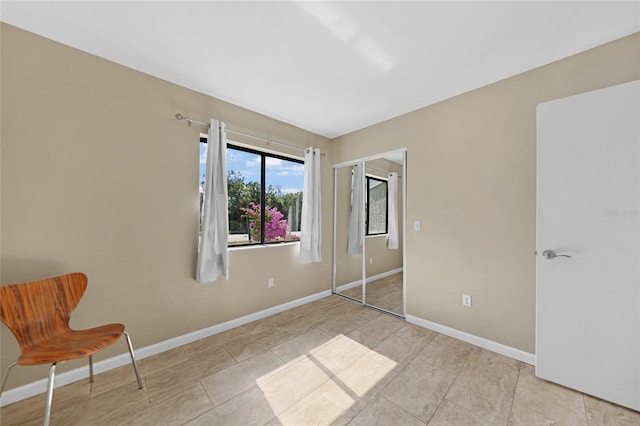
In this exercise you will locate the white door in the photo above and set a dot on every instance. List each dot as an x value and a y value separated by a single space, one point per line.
588 305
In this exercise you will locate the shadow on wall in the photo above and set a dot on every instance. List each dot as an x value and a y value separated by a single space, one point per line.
19 270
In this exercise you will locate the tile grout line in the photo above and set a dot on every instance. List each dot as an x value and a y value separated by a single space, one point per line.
379 394
396 405
397 374
586 412
450 386
515 390
204 412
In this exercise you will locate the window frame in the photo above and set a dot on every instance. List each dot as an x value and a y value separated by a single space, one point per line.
263 194
368 206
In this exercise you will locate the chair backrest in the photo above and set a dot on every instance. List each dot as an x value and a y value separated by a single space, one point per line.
38 310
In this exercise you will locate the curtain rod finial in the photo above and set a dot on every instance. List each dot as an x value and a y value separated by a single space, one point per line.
179 116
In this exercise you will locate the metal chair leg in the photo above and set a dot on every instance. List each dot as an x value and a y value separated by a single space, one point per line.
90 368
52 374
133 360
47 409
6 374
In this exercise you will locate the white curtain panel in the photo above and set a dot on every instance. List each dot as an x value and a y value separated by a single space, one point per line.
310 238
356 219
212 255
392 190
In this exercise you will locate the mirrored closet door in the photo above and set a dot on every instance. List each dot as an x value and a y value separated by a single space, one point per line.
369 231
347 264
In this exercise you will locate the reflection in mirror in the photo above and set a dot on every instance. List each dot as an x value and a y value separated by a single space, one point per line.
383 243
376 205
348 267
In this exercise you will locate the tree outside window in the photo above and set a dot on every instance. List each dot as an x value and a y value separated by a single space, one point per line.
256 179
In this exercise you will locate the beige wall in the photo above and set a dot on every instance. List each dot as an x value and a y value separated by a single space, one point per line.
98 176
471 172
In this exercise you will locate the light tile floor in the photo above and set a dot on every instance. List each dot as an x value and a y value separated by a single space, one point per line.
328 362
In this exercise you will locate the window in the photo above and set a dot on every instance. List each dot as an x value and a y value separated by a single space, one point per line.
255 180
376 206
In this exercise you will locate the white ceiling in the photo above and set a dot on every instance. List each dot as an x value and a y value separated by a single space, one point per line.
329 67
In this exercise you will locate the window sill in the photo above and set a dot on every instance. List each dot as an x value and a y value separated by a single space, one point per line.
259 246
376 235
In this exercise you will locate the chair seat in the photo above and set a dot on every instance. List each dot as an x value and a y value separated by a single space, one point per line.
71 344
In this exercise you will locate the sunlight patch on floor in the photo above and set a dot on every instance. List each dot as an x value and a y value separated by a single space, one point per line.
321 385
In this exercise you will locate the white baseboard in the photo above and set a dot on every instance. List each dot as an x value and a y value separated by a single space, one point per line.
40 386
372 278
505 350
343 287
384 274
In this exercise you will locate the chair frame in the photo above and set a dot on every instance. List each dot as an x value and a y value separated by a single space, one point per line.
42 342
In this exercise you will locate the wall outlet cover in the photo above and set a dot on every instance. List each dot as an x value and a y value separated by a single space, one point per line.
466 300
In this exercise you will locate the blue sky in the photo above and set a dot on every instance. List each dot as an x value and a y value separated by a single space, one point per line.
286 174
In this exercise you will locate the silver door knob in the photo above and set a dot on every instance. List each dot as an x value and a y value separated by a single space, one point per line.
550 254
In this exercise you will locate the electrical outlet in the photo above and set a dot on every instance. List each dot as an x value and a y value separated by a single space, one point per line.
417 225
270 283
466 300
371 261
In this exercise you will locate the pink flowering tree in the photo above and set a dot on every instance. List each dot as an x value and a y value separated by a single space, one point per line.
275 224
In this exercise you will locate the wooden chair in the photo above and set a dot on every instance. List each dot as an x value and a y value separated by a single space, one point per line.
38 313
